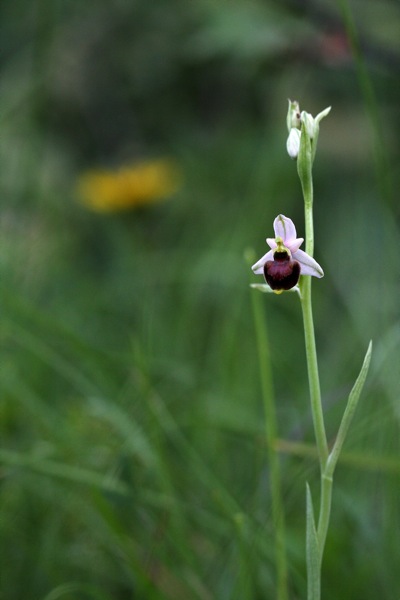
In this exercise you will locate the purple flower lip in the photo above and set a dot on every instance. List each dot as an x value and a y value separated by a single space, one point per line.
282 273
285 262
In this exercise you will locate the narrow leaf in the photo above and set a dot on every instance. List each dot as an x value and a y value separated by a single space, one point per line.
312 553
352 402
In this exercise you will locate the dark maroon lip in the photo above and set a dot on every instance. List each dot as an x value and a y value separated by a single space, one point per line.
282 273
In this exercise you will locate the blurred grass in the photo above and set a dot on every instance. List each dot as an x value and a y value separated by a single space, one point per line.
133 452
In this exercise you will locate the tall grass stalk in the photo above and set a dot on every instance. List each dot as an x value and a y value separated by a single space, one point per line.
371 105
271 432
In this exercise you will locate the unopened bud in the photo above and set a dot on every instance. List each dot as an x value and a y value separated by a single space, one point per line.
293 115
293 142
309 124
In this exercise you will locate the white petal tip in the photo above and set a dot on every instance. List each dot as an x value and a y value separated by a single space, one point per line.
323 114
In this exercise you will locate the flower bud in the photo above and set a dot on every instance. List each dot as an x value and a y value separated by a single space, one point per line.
293 115
309 124
293 142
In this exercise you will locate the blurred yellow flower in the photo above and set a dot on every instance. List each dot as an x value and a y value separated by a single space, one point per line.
138 185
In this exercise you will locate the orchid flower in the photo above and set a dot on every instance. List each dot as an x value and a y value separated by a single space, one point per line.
285 262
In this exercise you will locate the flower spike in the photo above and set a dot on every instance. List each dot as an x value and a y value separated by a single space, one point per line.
301 121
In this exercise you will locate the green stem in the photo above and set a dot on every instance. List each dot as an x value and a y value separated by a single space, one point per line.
309 335
317 413
313 375
304 166
273 457
324 511
309 223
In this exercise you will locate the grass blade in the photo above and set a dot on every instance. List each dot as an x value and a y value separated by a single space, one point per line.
312 553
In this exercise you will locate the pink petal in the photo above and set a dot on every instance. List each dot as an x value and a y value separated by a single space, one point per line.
258 267
284 228
294 245
271 243
308 265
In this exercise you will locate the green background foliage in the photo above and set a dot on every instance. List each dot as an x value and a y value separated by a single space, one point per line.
133 455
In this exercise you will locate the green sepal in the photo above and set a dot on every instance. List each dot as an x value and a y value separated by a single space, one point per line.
264 287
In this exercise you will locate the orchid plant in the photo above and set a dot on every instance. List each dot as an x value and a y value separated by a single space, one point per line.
287 268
